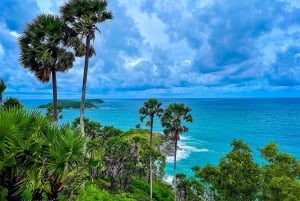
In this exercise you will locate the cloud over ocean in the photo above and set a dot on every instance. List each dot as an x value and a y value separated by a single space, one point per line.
210 48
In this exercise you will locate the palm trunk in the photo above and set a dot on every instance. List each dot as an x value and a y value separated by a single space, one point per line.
54 89
84 81
174 180
150 165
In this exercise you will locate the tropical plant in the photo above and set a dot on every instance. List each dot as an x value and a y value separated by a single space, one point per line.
11 102
151 108
118 161
20 145
236 177
83 17
2 89
189 189
49 112
280 175
43 50
36 155
172 120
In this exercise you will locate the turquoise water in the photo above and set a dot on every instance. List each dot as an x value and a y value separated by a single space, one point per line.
216 123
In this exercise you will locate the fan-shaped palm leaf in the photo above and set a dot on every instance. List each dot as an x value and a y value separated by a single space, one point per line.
83 16
43 50
172 119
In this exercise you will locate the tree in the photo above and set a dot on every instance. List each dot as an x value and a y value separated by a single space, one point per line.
151 108
49 112
118 161
236 177
280 176
172 120
83 17
43 50
189 189
37 156
11 102
2 89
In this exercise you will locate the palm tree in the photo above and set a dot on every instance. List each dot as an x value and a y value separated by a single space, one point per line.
49 112
173 117
83 16
151 108
2 88
35 154
43 50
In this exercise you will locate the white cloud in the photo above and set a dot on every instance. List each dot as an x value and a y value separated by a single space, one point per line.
15 34
45 5
1 51
149 25
49 6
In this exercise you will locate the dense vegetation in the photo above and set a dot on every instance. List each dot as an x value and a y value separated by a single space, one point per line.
42 161
72 104
237 177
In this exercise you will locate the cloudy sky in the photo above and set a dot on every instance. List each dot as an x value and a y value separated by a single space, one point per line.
166 48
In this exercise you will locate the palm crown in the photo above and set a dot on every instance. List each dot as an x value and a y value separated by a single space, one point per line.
173 118
83 15
42 47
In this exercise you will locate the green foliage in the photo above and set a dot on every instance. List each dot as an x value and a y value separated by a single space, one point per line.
162 192
92 193
140 190
37 155
26 195
49 112
280 175
71 104
237 177
2 89
44 50
11 102
173 119
3 194
82 18
189 189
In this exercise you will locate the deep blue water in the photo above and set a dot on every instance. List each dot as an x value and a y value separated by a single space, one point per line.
216 123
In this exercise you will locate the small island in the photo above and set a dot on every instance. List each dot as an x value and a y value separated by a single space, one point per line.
74 104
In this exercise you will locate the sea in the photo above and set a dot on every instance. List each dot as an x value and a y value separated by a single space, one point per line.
216 123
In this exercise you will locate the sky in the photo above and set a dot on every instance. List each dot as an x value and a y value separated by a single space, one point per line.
169 49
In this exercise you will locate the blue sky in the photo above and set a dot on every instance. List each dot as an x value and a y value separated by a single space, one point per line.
159 48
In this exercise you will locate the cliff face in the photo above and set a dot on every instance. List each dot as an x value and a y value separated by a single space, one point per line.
167 147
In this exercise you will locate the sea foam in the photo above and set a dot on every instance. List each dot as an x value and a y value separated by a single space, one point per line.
184 151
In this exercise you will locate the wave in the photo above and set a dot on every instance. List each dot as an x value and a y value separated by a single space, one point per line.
168 179
184 151
107 108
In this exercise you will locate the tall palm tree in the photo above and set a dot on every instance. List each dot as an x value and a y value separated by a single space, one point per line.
2 88
151 108
172 119
43 50
83 17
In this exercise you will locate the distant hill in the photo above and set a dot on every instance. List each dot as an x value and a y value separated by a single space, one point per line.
73 104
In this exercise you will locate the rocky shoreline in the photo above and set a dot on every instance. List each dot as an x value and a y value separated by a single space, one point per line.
167 147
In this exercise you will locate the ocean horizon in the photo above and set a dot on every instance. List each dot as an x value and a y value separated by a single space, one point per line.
217 122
